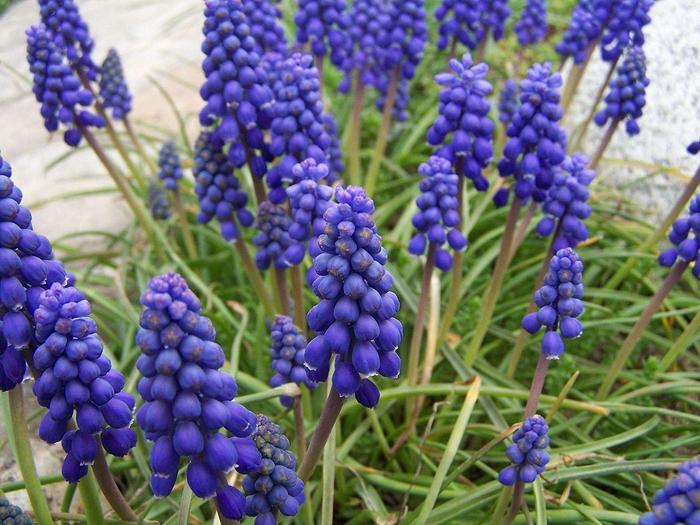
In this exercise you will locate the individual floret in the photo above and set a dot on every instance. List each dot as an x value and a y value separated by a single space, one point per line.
694 147
288 346
624 27
114 91
272 240
527 453
677 502
685 237
169 167
532 26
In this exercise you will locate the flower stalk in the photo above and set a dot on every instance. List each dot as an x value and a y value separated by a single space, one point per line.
91 499
575 77
355 124
139 145
298 294
383 135
254 276
190 245
594 106
331 411
604 143
109 488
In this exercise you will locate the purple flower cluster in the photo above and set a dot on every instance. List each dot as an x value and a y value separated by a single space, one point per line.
264 21
57 88
587 22
323 24
169 167
27 268
559 303
685 236
188 400
471 20
677 502
626 97
114 92
527 453
309 198
70 33
274 486
157 201
508 101
288 346
218 189
400 110
334 154
532 26
235 90
272 240
537 144
12 514
437 218
403 35
566 205
464 110
75 377
355 316
624 28
694 147
297 131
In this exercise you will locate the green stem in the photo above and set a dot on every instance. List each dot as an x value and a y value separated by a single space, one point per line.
681 344
521 231
638 329
139 145
328 475
91 499
190 245
298 294
604 143
574 78
254 276
594 107
658 234
299 428
383 135
329 416
18 435
355 124
109 488
489 300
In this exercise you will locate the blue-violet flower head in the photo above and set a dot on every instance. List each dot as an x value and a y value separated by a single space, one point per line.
288 346
532 26
114 91
528 452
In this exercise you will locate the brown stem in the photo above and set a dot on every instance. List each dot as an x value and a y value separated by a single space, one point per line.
536 386
298 293
139 145
299 429
481 50
520 233
574 78
594 107
109 488
281 281
254 276
355 125
325 424
604 142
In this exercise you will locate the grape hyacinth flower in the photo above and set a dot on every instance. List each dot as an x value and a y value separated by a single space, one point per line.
272 239
685 236
626 97
437 218
297 130
75 377
12 515
70 33
114 91
264 20
27 268
57 88
235 90
157 201
274 486
585 26
527 453
218 189
309 198
188 401
464 112
471 21
532 26
334 154
676 503
169 167
288 346
361 53
559 302
508 101
537 144
355 318
624 27
323 25
566 205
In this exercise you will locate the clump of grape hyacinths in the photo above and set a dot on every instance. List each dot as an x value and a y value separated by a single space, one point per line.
537 144
274 486
559 303
468 22
264 21
685 237
323 25
297 131
566 205
355 318
361 52
437 218
309 198
676 503
527 453
188 401
508 101
463 114
272 239
70 33
57 89
624 27
169 167
114 91
219 192
586 23
75 377
235 90
27 268
626 97
157 201
532 26
288 346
